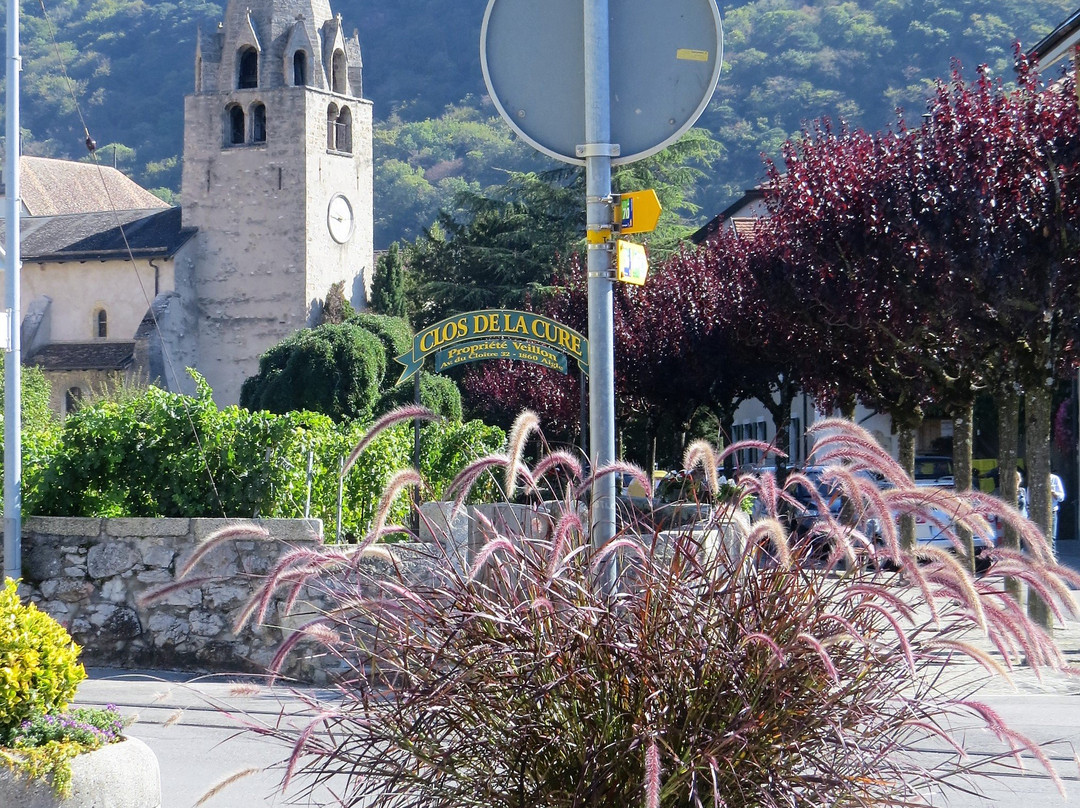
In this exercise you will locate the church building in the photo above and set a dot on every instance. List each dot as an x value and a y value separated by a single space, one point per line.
276 208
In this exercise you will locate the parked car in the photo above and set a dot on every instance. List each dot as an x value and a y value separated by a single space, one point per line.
934 470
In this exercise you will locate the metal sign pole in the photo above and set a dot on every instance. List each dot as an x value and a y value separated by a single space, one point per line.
598 152
12 268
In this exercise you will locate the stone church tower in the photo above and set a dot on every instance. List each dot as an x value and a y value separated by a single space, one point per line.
277 178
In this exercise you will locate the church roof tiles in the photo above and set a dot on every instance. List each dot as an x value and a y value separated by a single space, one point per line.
59 187
104 236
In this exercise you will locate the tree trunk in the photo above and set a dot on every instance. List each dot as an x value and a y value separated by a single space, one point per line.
1008 412
962 437
650 460
905 439
1038 405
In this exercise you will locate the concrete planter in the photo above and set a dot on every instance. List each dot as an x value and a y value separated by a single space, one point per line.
120 775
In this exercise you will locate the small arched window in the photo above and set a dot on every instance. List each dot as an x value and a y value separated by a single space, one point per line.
101 324
258 123
337 72
248 69
235 121
72 400
299 68
331 127
344 131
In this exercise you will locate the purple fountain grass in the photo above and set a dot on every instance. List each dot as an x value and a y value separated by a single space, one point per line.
408 412
756 676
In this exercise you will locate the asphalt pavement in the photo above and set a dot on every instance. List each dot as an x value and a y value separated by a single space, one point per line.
192 725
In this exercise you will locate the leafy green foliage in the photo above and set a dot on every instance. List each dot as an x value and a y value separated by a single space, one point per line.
497 248
440 394
395 335
334 369
159 454
39 667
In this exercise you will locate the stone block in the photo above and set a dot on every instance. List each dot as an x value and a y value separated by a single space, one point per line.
122 624
106 560
42 560
142 527
64 526
114 590
72 590
205 624
158 554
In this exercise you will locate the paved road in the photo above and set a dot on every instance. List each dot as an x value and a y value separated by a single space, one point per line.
198 745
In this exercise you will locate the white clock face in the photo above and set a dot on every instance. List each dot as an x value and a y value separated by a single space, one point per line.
339 219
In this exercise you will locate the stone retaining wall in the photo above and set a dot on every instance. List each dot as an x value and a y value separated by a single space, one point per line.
92 574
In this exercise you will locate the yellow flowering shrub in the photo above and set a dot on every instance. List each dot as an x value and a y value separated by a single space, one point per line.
39 667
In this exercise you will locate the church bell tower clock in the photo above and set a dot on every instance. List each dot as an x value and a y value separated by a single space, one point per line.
277 178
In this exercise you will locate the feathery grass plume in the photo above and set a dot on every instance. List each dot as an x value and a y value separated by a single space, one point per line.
771 532
400 481
225 535
524 426
568 463
518 676
700 453
853 443
469 476
490 548
946 570
408 412
988 663
748 445
568 526
225 782
161 592
652 774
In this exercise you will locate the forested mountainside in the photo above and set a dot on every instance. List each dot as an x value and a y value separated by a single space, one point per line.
786 63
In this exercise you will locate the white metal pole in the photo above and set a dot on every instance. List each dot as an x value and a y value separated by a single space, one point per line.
12 268
598 152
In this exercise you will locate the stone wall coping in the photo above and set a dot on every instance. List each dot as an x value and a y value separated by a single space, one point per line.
64 525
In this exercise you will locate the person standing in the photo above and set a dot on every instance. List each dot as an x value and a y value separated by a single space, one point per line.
1057 496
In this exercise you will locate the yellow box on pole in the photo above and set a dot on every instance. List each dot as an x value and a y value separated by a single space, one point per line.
639 211
632 265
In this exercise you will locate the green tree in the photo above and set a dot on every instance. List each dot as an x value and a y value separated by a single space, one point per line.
333 369
388 285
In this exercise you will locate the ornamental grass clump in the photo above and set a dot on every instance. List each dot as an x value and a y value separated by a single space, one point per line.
723 664
39 674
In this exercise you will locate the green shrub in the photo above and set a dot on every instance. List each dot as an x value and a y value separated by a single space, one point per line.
160 454
440 394
39 667
337 370
396 336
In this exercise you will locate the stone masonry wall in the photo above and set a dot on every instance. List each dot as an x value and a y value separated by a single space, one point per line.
92 574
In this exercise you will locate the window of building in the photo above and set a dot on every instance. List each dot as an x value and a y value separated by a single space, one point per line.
755 431
258 123
299 68
235 115
248 69
101 323
72 400
344 131
331 127
337 72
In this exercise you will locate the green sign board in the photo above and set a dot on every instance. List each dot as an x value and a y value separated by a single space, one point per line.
491 324
519 350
